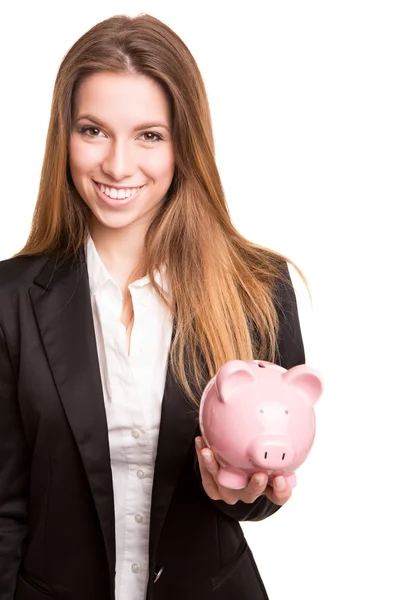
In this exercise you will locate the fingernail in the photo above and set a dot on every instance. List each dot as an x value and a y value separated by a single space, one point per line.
260 480
207 457
199 443
280 483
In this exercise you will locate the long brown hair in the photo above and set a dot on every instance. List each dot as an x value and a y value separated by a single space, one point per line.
222 285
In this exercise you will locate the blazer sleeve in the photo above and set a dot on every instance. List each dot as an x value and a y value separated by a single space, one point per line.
290 353
13 478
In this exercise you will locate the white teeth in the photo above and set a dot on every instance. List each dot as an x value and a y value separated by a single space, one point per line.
120 194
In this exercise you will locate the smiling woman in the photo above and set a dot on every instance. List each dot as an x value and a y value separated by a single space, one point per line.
132 290
117 162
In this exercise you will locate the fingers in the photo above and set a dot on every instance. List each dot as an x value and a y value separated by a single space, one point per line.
255 488
279 492
208 469
209 461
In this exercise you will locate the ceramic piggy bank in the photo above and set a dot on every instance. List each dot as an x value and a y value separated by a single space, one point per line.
259 417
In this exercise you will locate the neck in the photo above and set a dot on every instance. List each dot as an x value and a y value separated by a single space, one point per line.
119 249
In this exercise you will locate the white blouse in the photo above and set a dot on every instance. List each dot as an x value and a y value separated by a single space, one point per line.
133 388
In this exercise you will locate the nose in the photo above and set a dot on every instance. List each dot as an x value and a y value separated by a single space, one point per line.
272 452
120 161
277 455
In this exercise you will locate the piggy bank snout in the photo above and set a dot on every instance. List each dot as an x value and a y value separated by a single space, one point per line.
271 452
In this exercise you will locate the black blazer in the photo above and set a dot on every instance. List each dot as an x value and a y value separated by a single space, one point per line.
57 536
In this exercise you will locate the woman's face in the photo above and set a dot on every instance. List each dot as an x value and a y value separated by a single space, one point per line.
121 154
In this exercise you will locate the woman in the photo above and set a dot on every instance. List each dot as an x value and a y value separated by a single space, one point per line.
132 290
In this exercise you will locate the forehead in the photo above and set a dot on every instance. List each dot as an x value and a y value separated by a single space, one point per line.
118 99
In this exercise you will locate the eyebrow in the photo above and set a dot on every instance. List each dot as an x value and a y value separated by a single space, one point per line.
138 128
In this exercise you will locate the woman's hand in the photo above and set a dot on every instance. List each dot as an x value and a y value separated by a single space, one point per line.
278 493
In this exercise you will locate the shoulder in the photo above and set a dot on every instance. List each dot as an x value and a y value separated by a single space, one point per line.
18 273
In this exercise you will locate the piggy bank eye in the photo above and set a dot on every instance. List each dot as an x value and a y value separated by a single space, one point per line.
286 412
261 365
262 410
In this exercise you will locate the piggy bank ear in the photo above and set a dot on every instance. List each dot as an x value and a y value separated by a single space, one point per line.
306 379
231 376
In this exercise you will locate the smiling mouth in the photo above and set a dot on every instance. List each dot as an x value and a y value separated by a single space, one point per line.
118 193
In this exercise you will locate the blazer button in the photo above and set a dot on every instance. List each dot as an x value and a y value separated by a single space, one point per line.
158 575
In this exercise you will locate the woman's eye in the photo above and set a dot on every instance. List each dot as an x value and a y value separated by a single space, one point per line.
155 137
94 131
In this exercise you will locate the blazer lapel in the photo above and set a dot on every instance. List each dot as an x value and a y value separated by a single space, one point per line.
61 302
179 419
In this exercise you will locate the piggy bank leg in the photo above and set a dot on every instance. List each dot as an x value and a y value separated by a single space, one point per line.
235 479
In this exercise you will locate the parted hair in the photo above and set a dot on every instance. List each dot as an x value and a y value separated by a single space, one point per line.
222 287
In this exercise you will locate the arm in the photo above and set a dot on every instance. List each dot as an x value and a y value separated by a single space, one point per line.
13 478
290 353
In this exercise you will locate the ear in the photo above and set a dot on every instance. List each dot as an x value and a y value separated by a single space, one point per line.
232 376
306 379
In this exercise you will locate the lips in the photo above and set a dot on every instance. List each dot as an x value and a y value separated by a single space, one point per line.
117 202
118 192
118 187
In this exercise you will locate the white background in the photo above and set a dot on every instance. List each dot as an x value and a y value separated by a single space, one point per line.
305 104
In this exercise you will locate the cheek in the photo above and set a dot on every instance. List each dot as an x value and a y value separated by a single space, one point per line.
82 157
161 164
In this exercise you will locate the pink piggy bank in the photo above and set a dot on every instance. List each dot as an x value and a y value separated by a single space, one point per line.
259 417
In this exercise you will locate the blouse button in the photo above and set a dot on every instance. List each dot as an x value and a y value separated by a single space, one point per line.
139 518
135 433
135 568
140 474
